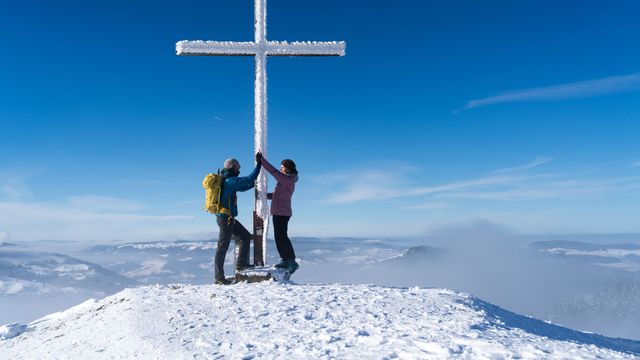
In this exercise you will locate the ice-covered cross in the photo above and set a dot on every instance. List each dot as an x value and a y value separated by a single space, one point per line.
260 49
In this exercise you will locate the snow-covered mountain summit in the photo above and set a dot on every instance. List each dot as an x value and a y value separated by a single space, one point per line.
271 320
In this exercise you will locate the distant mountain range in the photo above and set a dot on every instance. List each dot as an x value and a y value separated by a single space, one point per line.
614 256
417 254
39 278
106 268
40 273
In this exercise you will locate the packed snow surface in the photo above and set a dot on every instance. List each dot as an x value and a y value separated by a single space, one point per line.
272 320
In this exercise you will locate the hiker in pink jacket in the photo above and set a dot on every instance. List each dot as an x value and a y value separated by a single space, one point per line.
281 208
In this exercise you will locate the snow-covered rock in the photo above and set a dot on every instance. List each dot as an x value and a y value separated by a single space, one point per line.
11 330
271 320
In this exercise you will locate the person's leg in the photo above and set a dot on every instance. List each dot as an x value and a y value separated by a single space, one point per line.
279 233
280 229
242 238
224 238
291 254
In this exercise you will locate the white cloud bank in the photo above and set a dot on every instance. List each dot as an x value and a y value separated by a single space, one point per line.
88 217
575 90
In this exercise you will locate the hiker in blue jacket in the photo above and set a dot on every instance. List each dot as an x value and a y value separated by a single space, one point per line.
226 218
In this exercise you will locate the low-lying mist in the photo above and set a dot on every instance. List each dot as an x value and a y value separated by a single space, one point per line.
497 266
482 259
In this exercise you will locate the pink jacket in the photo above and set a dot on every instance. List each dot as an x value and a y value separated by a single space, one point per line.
281 200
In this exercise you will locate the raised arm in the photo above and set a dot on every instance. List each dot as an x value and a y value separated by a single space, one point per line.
247 182
273 171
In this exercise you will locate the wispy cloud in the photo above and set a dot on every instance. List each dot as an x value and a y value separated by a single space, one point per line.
81 217
13 184
636 164
141 182
380 186
541 160
431 205
575 90
12 191
372 185
66 213
88 217
99 203
522 182
552 189
365 184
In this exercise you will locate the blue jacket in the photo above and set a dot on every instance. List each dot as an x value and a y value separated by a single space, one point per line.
232 184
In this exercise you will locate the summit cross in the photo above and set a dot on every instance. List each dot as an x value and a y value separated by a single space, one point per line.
260 49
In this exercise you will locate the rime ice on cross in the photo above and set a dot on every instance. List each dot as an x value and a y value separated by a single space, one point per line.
260 49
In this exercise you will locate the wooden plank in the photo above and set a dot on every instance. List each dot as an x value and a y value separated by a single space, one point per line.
258 228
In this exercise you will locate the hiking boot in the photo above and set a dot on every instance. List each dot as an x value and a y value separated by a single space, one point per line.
223 281
283 264
292 266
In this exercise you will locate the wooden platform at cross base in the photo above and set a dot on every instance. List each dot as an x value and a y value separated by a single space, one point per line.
262 273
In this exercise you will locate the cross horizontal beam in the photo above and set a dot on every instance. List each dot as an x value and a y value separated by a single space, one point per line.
271 48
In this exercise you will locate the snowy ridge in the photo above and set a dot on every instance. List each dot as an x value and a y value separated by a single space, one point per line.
188 245
270 320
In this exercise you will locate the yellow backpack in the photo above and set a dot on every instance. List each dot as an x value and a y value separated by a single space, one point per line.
212 185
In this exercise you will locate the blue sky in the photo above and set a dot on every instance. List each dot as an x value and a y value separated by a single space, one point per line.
519 113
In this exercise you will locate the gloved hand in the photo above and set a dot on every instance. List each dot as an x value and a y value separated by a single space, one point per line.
259 158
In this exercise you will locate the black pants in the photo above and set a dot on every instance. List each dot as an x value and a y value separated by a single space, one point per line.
280 229
242 238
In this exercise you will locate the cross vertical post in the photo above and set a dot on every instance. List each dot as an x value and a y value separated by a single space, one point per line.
260 212
260 49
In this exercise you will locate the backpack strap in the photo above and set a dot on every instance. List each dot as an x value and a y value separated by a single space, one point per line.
227 211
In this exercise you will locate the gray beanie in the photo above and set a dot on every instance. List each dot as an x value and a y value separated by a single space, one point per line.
228 164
